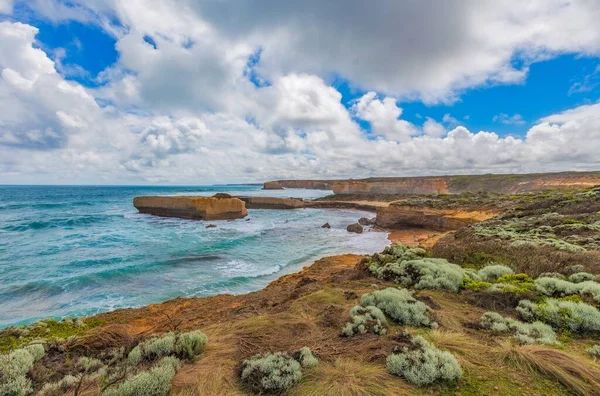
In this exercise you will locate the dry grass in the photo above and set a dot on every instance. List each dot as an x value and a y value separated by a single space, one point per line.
466 349
579 376
346 377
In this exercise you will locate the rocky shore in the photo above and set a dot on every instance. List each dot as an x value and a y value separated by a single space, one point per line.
219 207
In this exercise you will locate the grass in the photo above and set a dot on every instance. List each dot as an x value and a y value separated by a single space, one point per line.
577 375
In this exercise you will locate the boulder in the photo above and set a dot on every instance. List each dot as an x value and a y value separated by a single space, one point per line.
211 226
357 228
366 222
190 207
326 225
221 195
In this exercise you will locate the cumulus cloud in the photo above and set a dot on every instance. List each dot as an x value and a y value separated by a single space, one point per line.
183 109
515 119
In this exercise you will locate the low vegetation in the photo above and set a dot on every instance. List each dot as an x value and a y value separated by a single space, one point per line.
563 315
363 320
524 333
401 306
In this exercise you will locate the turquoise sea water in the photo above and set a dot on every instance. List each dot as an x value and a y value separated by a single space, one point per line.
71 251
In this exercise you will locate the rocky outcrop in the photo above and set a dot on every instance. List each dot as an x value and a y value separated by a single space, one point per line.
366 222
326 225
308 184
272 203
357 228
398 216
188 207
406 185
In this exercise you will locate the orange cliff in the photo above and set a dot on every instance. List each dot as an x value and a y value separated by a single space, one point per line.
219 207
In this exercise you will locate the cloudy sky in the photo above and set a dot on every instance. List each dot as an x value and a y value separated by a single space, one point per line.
222 91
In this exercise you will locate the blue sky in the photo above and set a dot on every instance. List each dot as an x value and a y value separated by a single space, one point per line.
153 88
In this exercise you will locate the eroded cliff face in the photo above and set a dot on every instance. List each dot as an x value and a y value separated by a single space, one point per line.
398 216
308 184
198 208
408 185
273 203
502 184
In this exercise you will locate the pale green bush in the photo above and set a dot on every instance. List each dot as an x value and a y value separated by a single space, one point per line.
364 320
400 305
185 345
424 364
155 382
271 373
581 277
556 275
560 287
594 352
14 368
576 317
525 333
306 358
424 273
491 273
191 344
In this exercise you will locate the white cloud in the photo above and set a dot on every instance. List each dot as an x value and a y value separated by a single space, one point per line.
515 119
433 128
6 6
384 116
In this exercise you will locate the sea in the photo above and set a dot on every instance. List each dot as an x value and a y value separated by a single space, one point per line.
81 250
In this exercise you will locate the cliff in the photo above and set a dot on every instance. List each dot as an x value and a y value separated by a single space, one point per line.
199 208
502 184
308 184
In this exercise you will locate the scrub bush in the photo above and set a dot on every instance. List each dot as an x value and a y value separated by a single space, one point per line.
514 283
558 287
491 273
581 277
575 317
423 364
364 320
185 346
401 306
155 382
14 368
191 344
424 273
271 373
594 352
306 358
525 333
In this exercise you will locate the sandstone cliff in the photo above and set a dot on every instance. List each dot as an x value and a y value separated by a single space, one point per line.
308 184
187 207
272 203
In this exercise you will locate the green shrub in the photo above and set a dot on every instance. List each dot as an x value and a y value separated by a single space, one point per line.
271 373
491 273
594 352
525 333
556 275
401 306
364 320
306 358
475 285
14 368
184 345
155 382
581 277
574 317
191 344
423 363
514 283
558 287
424 273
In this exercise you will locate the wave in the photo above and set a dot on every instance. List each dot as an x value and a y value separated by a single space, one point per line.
57 222
46 205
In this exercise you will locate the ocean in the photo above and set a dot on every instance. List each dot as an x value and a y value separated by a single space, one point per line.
81 250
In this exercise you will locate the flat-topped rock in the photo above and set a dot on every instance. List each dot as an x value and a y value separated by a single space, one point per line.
273 203
190 207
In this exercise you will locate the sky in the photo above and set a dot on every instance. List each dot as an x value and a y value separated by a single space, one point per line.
181 92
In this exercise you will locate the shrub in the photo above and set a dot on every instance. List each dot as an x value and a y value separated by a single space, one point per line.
475 285
556 275
190 344
424 273
423 363
185 345
155 382
491 273
306 358
576 317
525 333
270 373
14 368
514 283
400 305
581 277
594 352
364 320
558 287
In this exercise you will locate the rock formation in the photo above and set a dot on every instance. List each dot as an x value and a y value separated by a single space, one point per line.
272 203
189 207
357 228
309 184
326 225
366 222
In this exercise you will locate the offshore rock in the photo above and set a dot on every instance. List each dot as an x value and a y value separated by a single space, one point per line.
189 207
357 228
